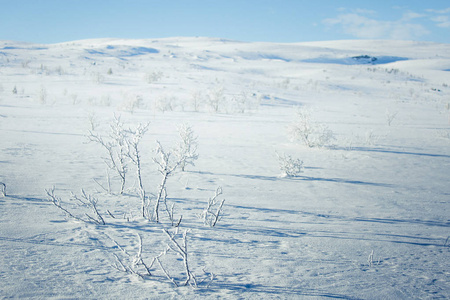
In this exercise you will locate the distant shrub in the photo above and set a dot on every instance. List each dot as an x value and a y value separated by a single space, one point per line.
154 77
312 134
290 167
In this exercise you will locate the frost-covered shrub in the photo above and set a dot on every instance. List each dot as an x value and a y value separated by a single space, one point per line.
166 166
445 134
290 167
87 211
187 148
213 211
75 99
216 98
154 76
133 153
116 146
97 77
131 103
42 95
242 102
106 101
174 260
390 116
164 104
310 133
196 100
93 122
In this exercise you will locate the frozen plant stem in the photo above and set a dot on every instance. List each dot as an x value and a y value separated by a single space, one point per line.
57 202
134 155
211 217
370 259
91 202
390 116
3 189
85 200
136 261
182 251
138 258
166 168
116 149
169 210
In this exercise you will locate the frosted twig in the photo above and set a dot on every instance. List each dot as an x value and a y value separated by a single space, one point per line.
90 202
209 216
166 168
370 259
57 202
116 149
187 148
3 189
182 251
132 152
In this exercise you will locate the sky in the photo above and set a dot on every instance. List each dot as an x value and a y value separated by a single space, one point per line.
286 21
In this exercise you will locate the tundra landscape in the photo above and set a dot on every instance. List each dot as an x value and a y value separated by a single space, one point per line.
207 168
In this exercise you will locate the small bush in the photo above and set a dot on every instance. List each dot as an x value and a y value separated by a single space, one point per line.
290 167
312 134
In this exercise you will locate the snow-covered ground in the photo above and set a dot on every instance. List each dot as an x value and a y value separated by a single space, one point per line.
368 218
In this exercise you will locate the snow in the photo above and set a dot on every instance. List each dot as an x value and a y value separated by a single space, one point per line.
379 188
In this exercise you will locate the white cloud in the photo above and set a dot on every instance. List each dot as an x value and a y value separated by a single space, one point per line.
361 26
361 11
442 21
364 11
410 15
440 16
439 11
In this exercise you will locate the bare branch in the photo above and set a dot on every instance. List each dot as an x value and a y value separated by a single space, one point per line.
166 168
3 189
57 202
210 215
182 251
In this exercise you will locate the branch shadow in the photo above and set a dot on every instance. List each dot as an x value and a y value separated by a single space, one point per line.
318 218
297 178
377 237
44 132
275 290
256 177
399 221
389 151
340 180
28 199
32 240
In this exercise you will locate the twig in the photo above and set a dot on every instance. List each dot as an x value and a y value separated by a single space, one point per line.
3 189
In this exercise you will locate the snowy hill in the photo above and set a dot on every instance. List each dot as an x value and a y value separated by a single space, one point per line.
364 216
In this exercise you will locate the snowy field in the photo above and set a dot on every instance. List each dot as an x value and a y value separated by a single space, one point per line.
366 216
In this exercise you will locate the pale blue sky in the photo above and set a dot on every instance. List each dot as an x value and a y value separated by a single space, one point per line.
53 21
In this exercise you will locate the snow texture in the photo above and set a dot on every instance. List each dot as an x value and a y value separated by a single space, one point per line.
367 218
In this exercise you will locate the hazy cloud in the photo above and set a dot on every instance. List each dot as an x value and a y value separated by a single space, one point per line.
440 16
439 11
361 26
442 21
410 15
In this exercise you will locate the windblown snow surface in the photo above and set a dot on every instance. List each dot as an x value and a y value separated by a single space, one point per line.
368 218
